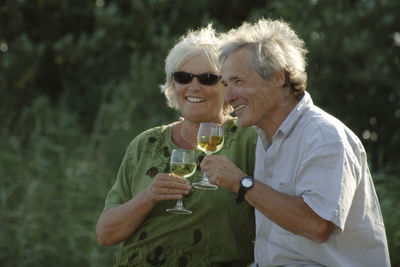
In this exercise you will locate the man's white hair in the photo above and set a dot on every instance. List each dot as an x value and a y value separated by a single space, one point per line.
276 46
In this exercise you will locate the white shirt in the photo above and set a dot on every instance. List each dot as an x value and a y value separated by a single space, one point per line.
315 156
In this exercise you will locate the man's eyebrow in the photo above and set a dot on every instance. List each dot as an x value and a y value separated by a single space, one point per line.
232 78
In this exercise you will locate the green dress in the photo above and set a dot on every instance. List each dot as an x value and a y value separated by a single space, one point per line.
219 232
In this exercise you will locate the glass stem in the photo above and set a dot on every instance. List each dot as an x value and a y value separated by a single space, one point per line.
179 203
204 179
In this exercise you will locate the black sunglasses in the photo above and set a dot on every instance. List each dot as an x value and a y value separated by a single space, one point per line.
204 78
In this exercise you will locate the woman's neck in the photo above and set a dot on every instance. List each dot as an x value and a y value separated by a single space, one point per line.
188 131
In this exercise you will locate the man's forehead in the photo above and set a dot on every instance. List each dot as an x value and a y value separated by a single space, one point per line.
234 68
241 57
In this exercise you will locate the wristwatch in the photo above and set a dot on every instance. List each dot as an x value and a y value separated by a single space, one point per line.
246 184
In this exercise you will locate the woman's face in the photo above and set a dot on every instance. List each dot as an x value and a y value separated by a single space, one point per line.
198 102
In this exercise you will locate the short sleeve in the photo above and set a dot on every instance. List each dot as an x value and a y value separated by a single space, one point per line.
327 182
120 191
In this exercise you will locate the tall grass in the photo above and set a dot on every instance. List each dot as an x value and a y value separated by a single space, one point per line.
51 193
388 189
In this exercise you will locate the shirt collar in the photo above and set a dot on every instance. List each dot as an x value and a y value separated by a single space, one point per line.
294 116
291 120
263 137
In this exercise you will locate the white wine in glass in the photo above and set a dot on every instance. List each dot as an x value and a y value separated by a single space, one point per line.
182 164
183 170
210 139
210 144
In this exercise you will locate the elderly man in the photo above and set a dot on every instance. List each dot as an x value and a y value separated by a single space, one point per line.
313 194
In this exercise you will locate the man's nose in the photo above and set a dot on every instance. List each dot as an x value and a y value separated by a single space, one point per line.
229 94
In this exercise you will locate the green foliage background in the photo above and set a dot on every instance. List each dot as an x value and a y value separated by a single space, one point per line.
79 79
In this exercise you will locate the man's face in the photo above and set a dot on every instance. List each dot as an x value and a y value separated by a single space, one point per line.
253 98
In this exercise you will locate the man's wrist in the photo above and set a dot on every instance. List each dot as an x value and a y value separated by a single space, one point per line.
246 183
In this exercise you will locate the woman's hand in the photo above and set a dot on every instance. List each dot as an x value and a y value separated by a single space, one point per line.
168 186
117 224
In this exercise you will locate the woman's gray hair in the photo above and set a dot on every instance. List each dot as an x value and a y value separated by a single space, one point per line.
276 46
203 41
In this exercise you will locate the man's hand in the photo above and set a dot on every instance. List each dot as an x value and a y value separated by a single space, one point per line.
222 172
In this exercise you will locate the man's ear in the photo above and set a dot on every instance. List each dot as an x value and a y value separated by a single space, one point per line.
279 78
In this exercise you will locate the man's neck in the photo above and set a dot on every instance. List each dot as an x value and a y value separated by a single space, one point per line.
271 124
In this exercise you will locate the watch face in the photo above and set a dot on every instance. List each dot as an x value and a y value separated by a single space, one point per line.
247 182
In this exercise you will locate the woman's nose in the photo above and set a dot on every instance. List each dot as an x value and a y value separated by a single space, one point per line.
194 84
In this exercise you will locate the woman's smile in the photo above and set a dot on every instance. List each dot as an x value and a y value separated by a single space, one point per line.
193 99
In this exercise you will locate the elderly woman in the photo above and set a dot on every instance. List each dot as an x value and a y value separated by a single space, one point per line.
219 232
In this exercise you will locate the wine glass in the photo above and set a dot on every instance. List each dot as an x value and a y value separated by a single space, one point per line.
210 139
182 164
